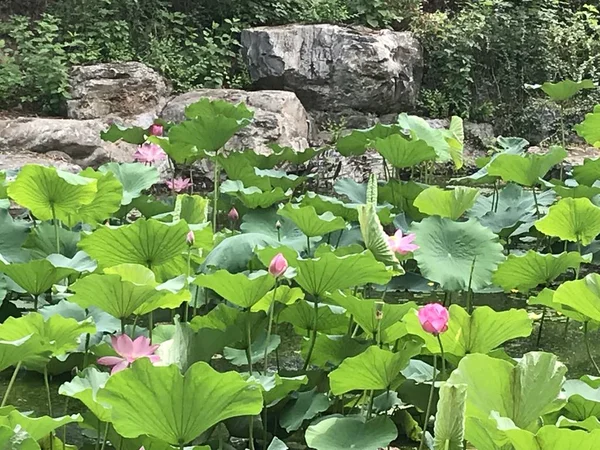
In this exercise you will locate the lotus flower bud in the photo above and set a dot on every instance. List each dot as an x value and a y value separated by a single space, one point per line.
278 225
233 215
190 238
434 318
278 265
156 130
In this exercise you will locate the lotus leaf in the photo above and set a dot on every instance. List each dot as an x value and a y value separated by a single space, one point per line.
450 418
134 177
434 201
239 289
589 129
85 387
357 141
527 170
401 152
572 219
306 406
309 222
36 276
582 296
343 432
589 172
564 90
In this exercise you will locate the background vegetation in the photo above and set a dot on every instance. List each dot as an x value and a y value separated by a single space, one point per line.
480 54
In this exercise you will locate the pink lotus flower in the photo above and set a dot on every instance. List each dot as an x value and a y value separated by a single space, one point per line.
233 215
156 130
129 351
191 238
178 184
402 244
278 265
434 318
149 153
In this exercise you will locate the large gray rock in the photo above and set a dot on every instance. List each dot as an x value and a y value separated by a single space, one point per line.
77 140
333 68
279 117
123 90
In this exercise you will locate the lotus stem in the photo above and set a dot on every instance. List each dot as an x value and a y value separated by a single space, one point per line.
35 302
87 349
370 404
337 244
251 433
587 347
249 347
64 430
56 233
10 384
122 325
270 328
150 325
313 338
308 245
217 174
539 336
562 134
48 391
186 305
97 446
105 435
469 302
429 403
439 339
537 207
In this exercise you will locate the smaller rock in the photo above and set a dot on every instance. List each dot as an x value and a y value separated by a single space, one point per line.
14 161
125 90
279 117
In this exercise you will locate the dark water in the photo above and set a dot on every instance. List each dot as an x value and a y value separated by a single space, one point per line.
29 394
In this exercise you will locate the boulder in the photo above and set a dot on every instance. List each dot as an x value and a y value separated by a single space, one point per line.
14 161
279 117
78 140
333 68
123 90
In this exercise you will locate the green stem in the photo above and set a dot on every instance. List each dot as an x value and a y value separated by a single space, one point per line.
337 244
539 335
537 206
150 325
122 325
429 403
87 350
104 437
313 338
563 138
370 404
56 233
48 391
217 174
249 346
587 347
35 302
10 384
469 301
308 246
97 446
439 339
270 328
251 433
64 430
186 305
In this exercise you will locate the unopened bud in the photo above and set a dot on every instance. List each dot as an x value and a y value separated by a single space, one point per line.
378 315
190 238
278 225
233 214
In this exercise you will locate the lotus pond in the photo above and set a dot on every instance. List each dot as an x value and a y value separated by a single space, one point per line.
284 309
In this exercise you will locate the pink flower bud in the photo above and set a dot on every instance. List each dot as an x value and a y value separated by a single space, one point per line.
156 130
233 215
434 318
190 238
278 265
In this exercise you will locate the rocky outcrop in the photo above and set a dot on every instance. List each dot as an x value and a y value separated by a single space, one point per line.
76 141
279 117
122 90
333 68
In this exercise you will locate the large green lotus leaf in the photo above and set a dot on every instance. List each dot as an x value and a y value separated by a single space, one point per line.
37 427
375 239
59 335
349 211
150 243
481 332
564 90
163 403
521 392
284 295
332 350
434 201
237 167
448 144
302 315
402 195
132 135
364 312
240 289
583 400
572 219
41 241
264 221
339 432
281 179
329 272
354 191
583 296
589 424
239 357
373 369
36 276
449 431
471 250
85 387
306 406
180 152
589 129
524 272
546 298
13 351
211 124
579 191
589 172
309 222
253 197
528 169
11 439
401 152
134 177
191 208
45 189
106 201
80 262
13 233
282 387
549 438
357 141
235 252
287 154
